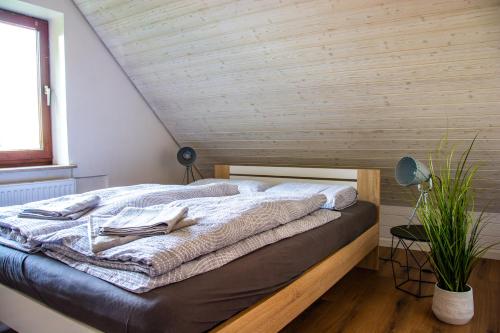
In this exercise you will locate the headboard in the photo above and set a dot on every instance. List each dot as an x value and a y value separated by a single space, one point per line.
366 181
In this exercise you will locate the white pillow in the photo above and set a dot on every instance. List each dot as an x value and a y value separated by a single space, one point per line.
244 185
337 196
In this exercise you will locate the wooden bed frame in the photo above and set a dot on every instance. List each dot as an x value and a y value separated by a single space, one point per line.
271 314
276 311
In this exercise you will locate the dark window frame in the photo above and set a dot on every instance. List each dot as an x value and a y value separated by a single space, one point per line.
43 156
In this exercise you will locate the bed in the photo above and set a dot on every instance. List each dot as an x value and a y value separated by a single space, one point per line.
59 298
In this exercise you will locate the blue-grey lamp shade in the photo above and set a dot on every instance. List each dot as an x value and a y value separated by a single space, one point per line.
410 171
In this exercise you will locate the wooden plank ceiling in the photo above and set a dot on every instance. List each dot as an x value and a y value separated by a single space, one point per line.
346 83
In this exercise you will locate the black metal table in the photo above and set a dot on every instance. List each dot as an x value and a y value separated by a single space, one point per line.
407 236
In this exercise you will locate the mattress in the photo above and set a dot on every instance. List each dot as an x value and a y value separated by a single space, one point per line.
193 305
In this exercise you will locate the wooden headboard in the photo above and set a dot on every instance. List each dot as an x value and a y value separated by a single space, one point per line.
366 181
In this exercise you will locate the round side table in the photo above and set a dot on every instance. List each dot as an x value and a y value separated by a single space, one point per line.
406 236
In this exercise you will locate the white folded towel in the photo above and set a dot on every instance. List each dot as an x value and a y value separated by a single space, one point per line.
100 243
63 208
143 221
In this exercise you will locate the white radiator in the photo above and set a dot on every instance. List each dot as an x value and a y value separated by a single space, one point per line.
16 194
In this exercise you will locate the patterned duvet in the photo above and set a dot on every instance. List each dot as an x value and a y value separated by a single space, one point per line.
228 226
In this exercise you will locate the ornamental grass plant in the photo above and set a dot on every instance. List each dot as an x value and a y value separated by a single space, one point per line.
448 219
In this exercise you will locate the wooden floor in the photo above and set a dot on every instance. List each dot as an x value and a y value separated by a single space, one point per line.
366 301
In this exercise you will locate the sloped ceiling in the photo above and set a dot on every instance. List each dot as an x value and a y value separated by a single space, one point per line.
351 83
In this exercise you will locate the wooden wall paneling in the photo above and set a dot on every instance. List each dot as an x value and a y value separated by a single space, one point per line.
345 134
348 84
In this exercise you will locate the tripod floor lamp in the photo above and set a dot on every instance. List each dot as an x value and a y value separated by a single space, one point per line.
410 171
187 156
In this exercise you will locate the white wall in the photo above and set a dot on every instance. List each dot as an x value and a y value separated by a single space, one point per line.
391 216
111 131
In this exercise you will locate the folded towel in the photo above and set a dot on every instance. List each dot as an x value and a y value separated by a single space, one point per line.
74 216
100 243
143 221
61 208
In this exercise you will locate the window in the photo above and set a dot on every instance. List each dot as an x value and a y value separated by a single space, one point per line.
25 133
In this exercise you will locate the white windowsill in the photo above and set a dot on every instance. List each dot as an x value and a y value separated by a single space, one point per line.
37 168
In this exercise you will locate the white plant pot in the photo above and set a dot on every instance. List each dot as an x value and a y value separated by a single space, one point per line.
456 308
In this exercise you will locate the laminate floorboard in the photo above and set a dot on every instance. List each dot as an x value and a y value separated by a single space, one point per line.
366 301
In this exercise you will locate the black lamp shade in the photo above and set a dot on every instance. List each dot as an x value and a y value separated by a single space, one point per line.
186 156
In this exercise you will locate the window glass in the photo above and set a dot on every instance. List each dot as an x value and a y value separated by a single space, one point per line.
19 86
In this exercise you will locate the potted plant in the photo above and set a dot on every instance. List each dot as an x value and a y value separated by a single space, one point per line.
453 231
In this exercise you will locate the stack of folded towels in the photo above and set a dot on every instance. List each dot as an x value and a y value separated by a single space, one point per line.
133 223
63 208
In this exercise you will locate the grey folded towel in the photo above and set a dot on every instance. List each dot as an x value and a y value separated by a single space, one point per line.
143 221
74 216
100 243
63 208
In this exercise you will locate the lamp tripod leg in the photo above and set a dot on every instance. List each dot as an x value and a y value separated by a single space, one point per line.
192 174
412 215
184 178
187 175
